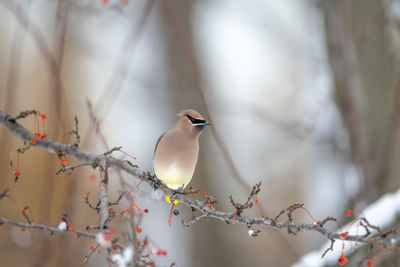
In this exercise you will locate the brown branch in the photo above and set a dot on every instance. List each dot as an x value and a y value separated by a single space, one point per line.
347 81
328 249
76 132
247 205
96 208
376 228
23 114
327 219
4 193
26 216
109 161
72 167
87 256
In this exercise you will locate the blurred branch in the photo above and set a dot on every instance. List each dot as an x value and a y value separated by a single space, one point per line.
347 81
124 61
39 39
86 156
384 165
35 32
196 75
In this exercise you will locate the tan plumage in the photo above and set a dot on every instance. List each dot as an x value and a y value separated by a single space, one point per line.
177 150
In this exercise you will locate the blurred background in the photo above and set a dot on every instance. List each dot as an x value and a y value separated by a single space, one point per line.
303 96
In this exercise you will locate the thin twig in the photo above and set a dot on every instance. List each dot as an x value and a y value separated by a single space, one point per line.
328 249
76 132
87 256
51 230
72 167
193 219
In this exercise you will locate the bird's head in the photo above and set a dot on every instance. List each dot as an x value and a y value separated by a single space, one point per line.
190 119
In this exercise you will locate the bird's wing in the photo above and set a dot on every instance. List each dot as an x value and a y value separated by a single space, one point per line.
158 141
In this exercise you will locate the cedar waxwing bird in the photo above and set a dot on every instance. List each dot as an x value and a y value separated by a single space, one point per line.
177 150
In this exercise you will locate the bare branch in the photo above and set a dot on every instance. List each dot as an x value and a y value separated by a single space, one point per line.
51 230
72 167
193 219
247 205
87 256
96 208
327 219
328 249
109 161
116 148
4 193
23 114
76 132
103 189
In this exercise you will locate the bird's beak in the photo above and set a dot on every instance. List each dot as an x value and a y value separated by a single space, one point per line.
201 126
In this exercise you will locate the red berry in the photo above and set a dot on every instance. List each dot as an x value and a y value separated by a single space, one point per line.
344 235
33 141
146 210
64 160
138 230
17 174
342 260
113 230
349 212
43 136
107 238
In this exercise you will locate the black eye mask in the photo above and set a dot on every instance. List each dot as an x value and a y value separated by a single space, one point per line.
195 121
199 124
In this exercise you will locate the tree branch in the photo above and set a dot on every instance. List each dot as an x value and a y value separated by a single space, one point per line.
101 160
103 189
51 230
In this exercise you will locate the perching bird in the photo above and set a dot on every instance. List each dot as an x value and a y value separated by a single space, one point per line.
177 150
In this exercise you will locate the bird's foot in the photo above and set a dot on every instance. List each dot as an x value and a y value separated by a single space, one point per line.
179 191
157 183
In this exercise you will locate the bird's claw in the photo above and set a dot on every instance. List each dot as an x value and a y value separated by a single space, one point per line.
157 183
179 191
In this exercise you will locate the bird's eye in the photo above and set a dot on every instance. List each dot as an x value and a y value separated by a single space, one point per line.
194 120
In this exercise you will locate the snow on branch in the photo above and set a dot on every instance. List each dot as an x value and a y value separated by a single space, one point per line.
382 213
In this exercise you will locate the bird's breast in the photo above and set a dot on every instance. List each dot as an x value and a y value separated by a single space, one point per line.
173 175
175 165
